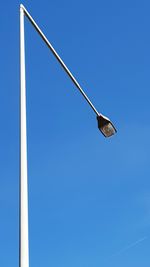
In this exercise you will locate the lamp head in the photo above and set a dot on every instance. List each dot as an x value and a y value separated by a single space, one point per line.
105 126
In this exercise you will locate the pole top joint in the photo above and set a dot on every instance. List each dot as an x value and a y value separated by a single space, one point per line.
22 7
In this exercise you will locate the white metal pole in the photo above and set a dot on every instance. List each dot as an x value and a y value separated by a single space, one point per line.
23 235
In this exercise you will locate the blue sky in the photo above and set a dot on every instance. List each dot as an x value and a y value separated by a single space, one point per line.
89 197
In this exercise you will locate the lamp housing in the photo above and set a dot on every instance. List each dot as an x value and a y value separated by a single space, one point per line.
106 126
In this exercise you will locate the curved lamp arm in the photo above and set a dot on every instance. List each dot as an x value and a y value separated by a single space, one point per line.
58 57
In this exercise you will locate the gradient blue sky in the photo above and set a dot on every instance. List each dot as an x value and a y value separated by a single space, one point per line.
89 197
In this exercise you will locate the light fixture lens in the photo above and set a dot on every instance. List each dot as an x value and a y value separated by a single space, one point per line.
108 130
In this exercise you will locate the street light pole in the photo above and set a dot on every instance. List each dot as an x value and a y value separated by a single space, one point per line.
104 125
23 235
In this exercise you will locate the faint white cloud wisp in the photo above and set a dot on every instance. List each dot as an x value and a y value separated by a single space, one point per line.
131 246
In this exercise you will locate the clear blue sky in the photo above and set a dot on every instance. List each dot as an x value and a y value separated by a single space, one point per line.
89 197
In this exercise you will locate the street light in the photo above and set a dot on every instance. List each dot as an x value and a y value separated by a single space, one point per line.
104 124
